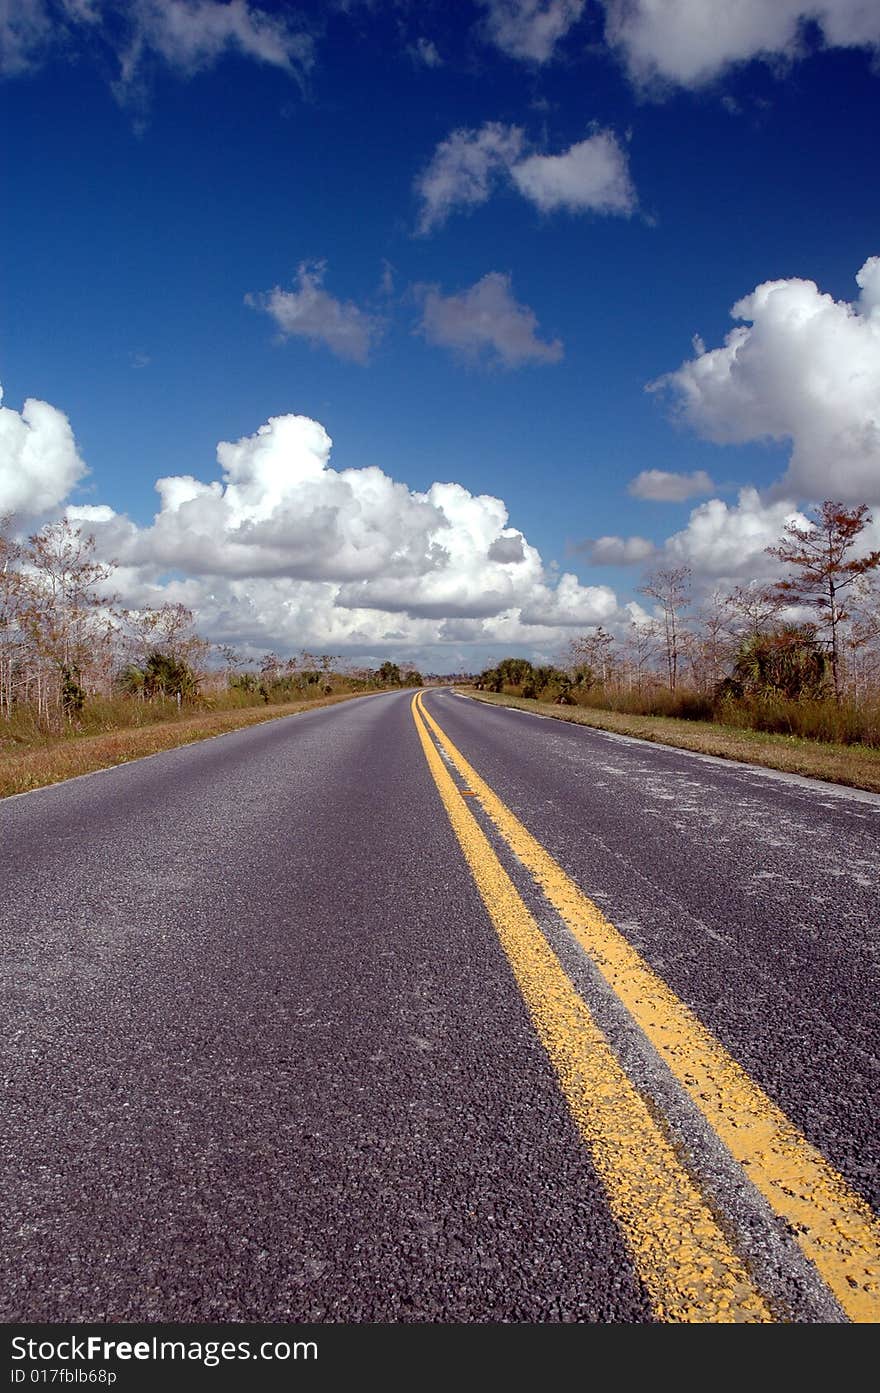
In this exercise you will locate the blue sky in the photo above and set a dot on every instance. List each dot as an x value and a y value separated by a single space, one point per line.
464 239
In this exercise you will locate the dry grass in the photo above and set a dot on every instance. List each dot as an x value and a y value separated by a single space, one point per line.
53 759
855 765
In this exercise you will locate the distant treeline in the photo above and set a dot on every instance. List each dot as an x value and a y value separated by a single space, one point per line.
71 658
800 656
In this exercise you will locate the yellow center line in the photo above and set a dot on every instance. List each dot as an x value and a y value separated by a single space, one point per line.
836 1229
684 1260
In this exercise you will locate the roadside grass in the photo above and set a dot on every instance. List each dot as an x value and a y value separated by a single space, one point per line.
51 759
857 766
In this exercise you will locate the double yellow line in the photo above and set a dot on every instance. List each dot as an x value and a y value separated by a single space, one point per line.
688 1266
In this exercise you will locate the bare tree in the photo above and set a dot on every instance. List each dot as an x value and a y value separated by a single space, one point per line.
642 645
753 608
175 636
65 612
271 667
863 636
164 654
819 551
11 640
671 591
711 648
594 651
232 659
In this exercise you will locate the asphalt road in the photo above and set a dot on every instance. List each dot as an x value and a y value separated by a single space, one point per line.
294 1034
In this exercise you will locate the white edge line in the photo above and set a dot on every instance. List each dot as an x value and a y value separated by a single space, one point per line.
823 786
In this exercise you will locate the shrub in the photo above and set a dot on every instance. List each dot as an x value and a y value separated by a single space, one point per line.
787 662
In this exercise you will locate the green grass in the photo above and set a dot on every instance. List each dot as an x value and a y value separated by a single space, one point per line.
857 766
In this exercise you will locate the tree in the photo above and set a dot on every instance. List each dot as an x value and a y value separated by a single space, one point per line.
863 637
389 674
753 607
594 652
232 662
66 612
169 630
711 646
819 550
671 590
540 678
515 671
11 591
490 680
165 653
270 668
309 673
642 642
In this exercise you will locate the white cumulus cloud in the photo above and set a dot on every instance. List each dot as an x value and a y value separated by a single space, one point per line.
309 312
486 321
509 547
803 368
663 486
727 544
727 541
591 176
689 42
283 551
39 461
280 510
89 512
465 170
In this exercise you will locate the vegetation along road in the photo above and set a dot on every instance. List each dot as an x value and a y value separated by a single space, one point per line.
413 1008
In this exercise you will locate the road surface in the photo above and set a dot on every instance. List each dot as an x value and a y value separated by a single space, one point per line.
433 1011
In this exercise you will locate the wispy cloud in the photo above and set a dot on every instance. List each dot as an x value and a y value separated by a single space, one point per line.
186 35
667 487
193 34
309 312
530 29
486 322
465 170
26 31
618 551
683 42
425 53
